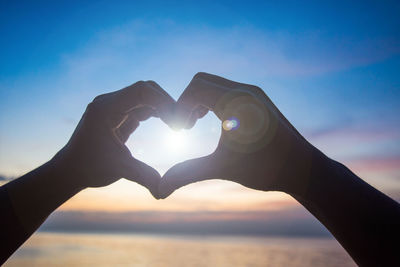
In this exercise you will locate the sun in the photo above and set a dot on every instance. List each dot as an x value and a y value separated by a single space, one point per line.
176 141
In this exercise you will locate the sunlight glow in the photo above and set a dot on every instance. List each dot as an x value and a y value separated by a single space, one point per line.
176 141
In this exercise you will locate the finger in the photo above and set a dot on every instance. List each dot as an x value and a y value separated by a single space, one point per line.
132 121
141 173
185 173
144 94
165 113
198 113
201 112
143 113
232 86
158 87
205 90
127 128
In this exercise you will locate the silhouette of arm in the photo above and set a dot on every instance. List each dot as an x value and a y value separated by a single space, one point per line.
27 201
95 156
260 149
365 221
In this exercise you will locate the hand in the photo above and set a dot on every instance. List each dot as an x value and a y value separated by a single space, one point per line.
258 147
96 155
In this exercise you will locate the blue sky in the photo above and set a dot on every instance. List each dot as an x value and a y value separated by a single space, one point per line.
332 69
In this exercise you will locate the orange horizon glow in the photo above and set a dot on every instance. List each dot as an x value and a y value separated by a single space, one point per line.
206 196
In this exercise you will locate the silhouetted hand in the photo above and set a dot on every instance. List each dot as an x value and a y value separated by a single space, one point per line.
258 147
96 154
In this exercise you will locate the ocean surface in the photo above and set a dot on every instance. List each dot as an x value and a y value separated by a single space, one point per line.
88 249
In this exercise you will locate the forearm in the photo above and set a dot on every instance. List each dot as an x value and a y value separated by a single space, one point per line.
32 198
365 221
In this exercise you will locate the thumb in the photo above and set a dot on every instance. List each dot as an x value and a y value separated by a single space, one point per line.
141 173
187 172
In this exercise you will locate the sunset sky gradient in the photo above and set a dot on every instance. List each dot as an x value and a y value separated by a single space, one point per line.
332 69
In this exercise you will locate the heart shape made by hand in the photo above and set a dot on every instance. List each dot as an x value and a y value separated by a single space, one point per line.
258 147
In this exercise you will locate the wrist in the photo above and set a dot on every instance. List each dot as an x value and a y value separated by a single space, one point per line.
65 172
313 166
74 164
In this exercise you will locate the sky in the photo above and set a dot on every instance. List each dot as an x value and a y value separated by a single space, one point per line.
332 68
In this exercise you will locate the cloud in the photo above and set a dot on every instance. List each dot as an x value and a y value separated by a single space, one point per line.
168 52
375 164
352 141
5 178
167 49
382 172
368 148
361 132
289 222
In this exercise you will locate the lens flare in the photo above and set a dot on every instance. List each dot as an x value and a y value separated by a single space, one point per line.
231 124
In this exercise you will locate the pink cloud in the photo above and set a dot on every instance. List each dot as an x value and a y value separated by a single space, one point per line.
375 164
